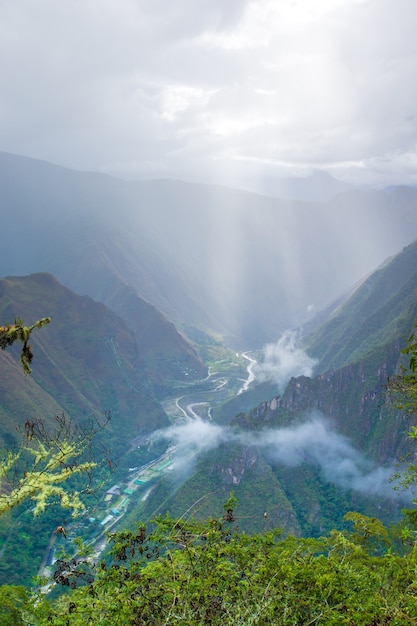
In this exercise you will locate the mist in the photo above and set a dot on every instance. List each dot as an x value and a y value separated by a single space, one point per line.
316 442
313 441
191 440
283 360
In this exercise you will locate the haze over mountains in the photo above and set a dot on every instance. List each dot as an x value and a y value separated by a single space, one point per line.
137 275
243 266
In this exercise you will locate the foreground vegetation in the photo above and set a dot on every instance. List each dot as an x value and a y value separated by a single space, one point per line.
186 572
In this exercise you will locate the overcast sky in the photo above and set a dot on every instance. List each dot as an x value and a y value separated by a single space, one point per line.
205 89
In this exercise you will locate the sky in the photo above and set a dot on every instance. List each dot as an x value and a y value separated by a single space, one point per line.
213 90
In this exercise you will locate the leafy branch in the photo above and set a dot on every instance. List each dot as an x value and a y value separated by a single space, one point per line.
45 461
10 333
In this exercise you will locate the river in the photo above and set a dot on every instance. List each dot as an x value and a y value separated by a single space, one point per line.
196 402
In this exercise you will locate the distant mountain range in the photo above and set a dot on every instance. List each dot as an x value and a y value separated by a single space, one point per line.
319 186
242 266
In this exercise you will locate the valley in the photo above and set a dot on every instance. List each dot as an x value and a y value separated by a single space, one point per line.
89 360
134 484
220 385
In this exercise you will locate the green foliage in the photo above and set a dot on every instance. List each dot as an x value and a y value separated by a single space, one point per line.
90 362
11 333
24 541
13 604
368 532
180 571
406 382
403 390
43 462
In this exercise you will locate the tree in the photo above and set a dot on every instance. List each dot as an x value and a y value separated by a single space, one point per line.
45 460
402 388
13 601
181 571
185 572
10 333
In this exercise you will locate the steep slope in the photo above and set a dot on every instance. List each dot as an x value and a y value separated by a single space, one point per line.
229 262
379 311
164 353
328 443
86 363
21 398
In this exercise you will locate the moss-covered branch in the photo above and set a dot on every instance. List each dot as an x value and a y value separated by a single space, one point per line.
46 459
10 333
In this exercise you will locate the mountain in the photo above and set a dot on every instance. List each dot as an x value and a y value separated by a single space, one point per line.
318 186
379 312
165 355
86 363
328 443
232 263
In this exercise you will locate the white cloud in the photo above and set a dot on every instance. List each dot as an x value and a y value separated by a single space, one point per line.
173 88
313 441
178 98
191 439
283 360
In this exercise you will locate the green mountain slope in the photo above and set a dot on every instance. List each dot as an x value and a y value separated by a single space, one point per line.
165 355
381 310
86 362
21 398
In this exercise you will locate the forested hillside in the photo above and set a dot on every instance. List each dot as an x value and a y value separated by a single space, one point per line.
377 313
87 361
208 313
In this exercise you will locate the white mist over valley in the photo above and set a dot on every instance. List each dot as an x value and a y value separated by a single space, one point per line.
314 440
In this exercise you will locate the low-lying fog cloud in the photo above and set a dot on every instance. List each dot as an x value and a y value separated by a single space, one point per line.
192 439
283 360
313 441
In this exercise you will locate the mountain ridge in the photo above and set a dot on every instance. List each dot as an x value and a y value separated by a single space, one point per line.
86 360
195 252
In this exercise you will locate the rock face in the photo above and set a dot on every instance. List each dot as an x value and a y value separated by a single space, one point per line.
233 473
353 399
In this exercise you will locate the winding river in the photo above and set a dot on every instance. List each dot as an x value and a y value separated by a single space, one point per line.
203 395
